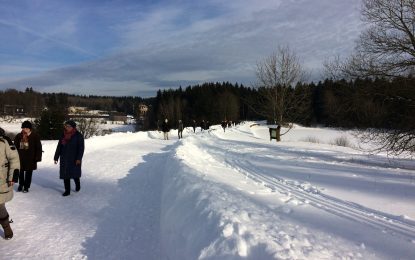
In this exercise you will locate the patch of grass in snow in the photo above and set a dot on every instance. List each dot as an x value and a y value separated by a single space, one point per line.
311 139
342 141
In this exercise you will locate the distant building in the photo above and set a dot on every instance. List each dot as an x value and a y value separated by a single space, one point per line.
77 110
118 116
13 110
130 119
83 112
142 109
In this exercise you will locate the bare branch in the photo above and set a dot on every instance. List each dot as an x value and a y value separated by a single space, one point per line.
277 76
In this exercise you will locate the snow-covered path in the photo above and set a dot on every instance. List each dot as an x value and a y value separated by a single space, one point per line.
217 195
117 206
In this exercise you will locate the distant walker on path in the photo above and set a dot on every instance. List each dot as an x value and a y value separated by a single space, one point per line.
166 129
180 128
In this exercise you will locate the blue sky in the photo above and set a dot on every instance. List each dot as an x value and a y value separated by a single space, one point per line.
123 48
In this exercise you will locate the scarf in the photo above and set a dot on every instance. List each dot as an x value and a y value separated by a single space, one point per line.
67 135
25 137
24 143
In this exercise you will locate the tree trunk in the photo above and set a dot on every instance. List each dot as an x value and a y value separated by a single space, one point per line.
278 135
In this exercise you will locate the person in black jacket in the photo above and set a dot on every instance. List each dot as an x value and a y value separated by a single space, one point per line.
29 147
70 151
202 125
224 124
166 129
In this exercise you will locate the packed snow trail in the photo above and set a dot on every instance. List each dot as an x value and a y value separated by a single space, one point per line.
114 216
215 195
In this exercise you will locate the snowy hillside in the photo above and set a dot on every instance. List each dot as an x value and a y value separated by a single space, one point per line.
219 195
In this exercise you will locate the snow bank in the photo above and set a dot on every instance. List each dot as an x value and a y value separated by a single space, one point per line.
206 217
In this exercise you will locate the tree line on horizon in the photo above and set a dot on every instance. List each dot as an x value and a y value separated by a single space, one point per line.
361 103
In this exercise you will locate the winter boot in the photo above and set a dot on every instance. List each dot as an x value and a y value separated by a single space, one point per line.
67 184
5 223
77 184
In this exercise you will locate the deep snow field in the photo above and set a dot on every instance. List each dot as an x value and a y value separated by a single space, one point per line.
218 195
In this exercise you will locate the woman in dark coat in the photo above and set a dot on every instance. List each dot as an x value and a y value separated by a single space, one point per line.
30 152
70 150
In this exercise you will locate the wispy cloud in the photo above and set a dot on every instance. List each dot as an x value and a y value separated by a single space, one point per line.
136 48
48 38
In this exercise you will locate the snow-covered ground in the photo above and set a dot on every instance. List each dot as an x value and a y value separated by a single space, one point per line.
216 195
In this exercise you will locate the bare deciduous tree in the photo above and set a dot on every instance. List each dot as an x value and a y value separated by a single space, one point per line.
277 76
334 69
88 127
386 49
395 142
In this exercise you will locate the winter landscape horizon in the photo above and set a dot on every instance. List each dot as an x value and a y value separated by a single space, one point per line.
218 194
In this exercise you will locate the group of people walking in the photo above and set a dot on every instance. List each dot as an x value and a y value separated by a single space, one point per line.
226 123
19 158
165 127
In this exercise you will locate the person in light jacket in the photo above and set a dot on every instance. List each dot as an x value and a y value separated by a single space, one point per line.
70 150
9 174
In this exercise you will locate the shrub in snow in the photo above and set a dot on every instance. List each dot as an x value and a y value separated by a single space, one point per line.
341 141
311 139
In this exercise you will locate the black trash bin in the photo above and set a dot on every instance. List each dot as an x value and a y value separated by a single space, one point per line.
274 132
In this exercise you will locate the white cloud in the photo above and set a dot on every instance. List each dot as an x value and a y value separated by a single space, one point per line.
179 44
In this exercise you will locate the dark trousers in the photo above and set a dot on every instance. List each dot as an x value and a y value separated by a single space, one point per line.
67 184
25 178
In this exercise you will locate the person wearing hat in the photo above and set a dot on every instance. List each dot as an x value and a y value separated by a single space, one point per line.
29 148
69 151
9 173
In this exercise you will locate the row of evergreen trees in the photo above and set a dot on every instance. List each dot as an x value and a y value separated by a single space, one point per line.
34 102
362 103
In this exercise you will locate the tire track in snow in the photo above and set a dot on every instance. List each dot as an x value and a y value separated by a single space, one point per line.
382 221
330 204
